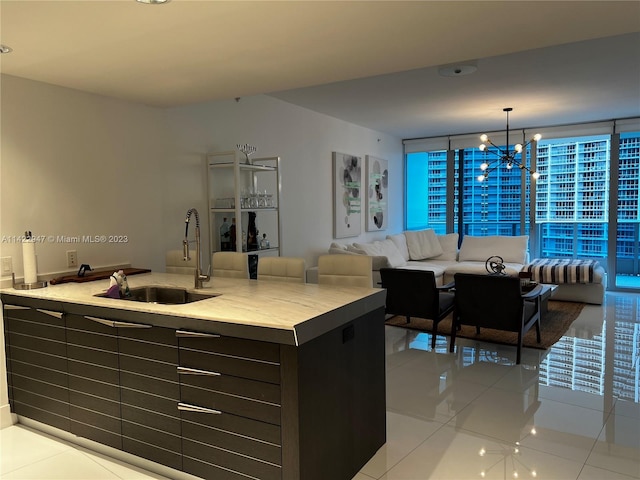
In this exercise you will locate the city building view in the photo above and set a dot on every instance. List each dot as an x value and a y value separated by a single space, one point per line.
571 208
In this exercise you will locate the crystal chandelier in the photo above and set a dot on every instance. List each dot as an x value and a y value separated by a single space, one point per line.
505 156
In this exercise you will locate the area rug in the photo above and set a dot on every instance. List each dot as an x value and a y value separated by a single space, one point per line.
554 324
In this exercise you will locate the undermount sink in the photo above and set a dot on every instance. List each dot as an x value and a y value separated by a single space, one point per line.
165 295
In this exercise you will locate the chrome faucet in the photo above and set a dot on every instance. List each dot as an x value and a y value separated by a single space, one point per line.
199 278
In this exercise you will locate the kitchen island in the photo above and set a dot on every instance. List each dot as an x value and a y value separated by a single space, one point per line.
264 380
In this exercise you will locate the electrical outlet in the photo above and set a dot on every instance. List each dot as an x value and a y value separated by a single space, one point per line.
72 258
7 266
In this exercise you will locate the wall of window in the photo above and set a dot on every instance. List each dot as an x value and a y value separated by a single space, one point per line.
571 214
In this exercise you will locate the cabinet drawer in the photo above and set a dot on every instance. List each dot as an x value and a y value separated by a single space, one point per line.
236 347
31 316
238 426
225 364
245 407
251 447
49 328
236 386
204 460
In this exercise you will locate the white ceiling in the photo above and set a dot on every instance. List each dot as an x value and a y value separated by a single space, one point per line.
552 61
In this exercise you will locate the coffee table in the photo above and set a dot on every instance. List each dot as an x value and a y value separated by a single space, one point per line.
546 291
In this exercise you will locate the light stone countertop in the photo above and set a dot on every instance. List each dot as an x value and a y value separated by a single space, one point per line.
303 310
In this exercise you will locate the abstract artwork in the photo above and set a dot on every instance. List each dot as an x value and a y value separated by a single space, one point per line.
347 195
376 193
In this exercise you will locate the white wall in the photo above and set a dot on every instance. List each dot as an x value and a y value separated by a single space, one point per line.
304 140
74 164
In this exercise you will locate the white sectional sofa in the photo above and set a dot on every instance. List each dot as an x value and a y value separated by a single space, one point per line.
426 250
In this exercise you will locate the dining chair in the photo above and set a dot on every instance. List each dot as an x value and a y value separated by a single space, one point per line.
282 269
175 263
348 270
229 264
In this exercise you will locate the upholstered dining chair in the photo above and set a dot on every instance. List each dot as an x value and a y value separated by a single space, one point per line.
348 270
495 301
282 269
175 263
229 264
413 293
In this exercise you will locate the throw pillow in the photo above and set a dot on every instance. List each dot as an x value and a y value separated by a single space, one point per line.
353 249
401 242
337 248
479 249
423 244
449 244
385 248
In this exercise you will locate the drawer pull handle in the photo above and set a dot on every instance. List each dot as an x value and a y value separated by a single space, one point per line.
115 323
195 371
187 334
185 407
51 313
131 325
16 307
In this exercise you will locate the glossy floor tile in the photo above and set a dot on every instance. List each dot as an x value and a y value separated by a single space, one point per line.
572 412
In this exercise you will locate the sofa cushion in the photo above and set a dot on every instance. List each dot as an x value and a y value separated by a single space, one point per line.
478 268
401 242
423 244
479 249
377 261
385 248
449 244
437 269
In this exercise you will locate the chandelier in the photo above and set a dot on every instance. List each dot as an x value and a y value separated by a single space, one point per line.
505 156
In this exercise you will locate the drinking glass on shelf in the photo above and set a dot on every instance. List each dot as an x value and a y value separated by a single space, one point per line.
253 200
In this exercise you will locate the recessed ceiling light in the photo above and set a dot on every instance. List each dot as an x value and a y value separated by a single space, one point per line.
153 2
457 70
5 49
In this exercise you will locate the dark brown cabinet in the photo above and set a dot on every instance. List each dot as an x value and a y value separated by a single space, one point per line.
37 363
214 406
230 403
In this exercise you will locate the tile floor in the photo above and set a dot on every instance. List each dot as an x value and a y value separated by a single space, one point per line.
571 412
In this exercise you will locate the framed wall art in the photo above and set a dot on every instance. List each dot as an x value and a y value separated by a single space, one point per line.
376 193
347 195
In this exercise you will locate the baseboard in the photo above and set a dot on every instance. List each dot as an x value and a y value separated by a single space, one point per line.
6 417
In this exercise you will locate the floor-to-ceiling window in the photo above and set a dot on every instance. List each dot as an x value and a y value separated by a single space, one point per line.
572 210
628 211
574 198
